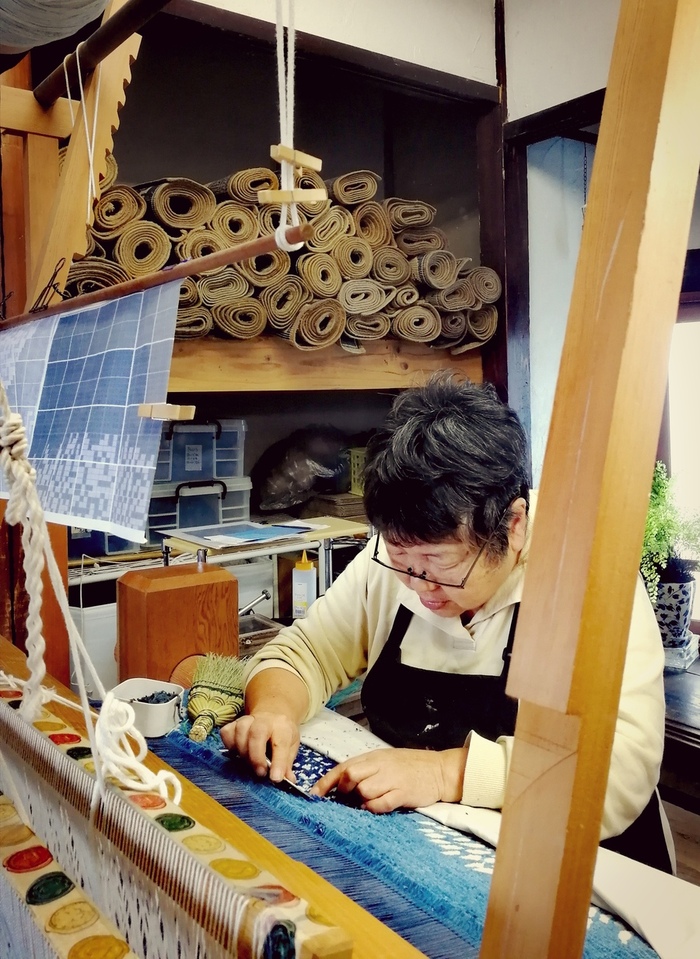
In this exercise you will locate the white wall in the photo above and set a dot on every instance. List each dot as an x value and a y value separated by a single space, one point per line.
449 35
556 50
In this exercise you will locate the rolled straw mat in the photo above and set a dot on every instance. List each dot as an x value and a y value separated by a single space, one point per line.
94 247
319 323
242 319
406 295
482 325
179 203
372 224
374 327
198 242
93 273
117 207
353 256
419 323
365 296
189 293
464 265
235 222
223 286
266 268
142 247
111 173
390 266
485 282
193 322
320 273
453 329
413 242
437 269
329 227
244 185
459 296
283 300
355 187
408 213
310 180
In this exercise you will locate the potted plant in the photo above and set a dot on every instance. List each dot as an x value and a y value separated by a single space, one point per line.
671 541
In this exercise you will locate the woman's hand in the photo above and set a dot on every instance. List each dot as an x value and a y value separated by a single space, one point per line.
276 700
387 779
261 736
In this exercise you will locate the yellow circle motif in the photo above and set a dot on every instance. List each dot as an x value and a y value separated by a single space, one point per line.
204 842
235 868
7 811
48 726
72 917
15 834
99 947
315 915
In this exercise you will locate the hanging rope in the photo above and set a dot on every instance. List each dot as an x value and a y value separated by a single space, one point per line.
285 87
92 190
108 736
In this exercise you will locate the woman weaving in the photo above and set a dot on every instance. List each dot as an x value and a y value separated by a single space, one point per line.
428 610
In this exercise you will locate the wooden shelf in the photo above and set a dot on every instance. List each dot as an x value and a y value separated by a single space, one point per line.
268 364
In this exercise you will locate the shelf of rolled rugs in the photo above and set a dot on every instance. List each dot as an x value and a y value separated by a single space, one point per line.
371 270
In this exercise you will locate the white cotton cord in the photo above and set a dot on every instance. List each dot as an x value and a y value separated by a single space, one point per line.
68 96
92 191
289 215
24 507
119 761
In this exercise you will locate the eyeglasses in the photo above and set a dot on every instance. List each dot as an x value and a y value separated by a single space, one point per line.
408 571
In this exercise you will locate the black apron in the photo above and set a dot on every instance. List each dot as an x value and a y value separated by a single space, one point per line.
425 709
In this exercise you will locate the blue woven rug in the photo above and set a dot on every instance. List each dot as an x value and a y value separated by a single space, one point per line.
427 882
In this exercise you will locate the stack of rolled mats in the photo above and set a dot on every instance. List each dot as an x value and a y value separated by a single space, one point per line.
372 269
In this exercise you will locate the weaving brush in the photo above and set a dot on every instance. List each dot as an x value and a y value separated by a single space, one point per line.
216 694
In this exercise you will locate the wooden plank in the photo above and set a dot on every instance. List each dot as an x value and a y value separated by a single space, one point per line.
587 540
67 232
20 113
12 263
371 938
209 365
41 182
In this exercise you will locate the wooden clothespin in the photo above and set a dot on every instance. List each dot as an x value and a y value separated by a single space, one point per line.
166 411
282 153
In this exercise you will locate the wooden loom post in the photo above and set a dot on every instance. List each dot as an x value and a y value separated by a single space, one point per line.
570 649
44 220
66 233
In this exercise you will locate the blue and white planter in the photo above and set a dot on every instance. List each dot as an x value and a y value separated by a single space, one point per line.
673 608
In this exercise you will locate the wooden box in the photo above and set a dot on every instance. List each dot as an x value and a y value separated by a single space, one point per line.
170 612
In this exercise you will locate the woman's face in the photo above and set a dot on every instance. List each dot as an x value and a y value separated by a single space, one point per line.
449 562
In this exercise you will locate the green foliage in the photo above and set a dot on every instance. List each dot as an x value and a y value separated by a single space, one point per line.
667 536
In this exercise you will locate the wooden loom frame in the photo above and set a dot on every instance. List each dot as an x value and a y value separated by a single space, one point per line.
592 504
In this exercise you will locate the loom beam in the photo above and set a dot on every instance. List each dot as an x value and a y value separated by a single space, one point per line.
108 36
571 642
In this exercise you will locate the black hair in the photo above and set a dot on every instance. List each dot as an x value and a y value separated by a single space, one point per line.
447 464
